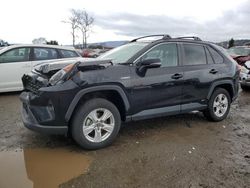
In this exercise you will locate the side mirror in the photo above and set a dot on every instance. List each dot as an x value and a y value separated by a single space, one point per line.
151 63
148 64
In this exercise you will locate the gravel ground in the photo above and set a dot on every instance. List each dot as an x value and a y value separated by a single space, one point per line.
177 151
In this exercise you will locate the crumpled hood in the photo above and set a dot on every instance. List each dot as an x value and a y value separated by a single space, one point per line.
241 59
86 62
247 65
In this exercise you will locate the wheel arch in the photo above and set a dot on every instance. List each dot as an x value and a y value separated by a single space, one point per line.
225 84
101 90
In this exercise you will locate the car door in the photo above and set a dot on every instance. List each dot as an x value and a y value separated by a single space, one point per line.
157 92
199 73
13 64
44 55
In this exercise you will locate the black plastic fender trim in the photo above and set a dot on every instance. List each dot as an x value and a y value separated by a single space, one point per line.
81 93
220 82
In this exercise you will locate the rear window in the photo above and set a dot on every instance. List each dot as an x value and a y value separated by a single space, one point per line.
68 53
194 54
216 56
45 53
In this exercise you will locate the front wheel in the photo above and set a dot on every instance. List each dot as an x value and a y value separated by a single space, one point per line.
96 124
218 105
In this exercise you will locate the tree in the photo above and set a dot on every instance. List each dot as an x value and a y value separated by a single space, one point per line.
3 43
73 21
40 40
231 43
52 42
84 24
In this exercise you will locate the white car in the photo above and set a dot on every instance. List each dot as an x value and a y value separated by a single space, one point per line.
17 60
245 76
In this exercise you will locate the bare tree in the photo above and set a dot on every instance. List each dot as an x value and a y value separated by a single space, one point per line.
84 24
73 21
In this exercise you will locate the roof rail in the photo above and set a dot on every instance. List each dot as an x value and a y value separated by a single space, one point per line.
189 37
164 36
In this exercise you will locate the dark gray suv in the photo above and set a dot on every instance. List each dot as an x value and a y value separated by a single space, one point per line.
139 80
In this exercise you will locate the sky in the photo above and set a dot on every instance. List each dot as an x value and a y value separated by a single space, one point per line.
21 21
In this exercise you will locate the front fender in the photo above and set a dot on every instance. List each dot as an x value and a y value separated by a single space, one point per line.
83 92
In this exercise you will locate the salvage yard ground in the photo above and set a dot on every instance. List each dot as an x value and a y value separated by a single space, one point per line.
178 151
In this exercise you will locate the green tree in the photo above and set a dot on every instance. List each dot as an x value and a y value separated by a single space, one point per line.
231 43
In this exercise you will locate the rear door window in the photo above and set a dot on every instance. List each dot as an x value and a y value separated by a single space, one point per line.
68 53
209 57
45 54
194 54
15 55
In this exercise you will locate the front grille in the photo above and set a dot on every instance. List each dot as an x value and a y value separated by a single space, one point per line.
31 84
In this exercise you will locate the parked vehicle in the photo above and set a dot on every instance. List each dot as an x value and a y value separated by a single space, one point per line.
245 76
17 60
240 54
139 80
90 53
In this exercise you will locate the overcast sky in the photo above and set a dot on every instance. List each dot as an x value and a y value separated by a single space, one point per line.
23 20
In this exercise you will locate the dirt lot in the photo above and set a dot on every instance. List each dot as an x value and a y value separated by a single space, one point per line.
178 151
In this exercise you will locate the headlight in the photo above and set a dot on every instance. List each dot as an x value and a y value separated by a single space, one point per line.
61 75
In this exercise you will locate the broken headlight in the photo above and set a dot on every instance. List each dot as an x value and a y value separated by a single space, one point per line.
62 75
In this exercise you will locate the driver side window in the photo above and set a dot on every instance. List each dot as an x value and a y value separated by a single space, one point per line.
167 53
15 55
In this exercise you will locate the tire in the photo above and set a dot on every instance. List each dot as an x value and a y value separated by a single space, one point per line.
217 110
244 87
90 116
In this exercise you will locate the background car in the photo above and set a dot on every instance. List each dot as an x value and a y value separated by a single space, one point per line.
240 54
245 76
17 60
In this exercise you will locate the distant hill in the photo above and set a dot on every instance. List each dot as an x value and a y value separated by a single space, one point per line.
110 44
240 42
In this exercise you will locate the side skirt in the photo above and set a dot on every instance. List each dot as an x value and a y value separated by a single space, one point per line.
166 111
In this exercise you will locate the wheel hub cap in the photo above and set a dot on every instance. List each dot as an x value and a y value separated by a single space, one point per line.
220 105
98 125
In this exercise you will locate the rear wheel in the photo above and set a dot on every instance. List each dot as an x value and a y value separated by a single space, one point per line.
218 105
96 124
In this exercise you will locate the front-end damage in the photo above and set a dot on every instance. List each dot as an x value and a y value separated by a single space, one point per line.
245 74
45 102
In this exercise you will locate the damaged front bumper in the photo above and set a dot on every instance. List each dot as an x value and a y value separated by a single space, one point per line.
44 107
31 115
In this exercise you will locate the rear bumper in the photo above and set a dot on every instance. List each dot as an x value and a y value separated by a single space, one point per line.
30 121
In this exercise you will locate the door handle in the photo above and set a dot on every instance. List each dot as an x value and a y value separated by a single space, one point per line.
213 71
177 76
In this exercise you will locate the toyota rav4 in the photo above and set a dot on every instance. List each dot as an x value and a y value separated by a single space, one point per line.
139 80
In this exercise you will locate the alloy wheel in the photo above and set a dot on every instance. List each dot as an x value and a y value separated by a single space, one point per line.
98 125
220 105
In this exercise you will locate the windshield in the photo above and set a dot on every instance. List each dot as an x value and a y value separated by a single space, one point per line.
240 51
123 53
